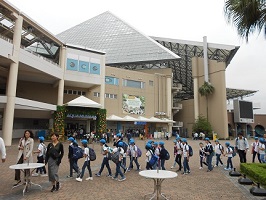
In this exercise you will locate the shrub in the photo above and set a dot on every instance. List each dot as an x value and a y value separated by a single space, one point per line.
255 171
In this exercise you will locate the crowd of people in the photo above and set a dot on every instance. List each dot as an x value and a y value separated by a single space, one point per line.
155 156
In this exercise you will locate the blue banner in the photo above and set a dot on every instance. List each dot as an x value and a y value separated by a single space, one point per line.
83 66
94 68
72 64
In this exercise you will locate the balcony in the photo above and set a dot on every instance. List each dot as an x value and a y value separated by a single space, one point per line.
177 88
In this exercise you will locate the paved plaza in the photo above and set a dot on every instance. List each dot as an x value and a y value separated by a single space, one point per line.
197 185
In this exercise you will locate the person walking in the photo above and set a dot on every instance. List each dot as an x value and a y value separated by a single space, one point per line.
255 150
134 155
209 153
105 150
3 150
241 145
41 151
218 152
86 163
229 154
25 149
118 164
73 162
185 156
54 155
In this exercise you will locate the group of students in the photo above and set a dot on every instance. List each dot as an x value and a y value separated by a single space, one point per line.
120 149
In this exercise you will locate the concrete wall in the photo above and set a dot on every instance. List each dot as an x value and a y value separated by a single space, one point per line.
217 111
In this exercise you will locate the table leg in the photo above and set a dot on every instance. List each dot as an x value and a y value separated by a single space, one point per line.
154 191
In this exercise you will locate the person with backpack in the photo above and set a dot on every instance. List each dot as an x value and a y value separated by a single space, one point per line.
134 155
149 155
86 162
229 153
105 150
241 145
255 150
178 157
73 162
261 148
41 150
164 155
209 153
118 139
202 155
120 153
219 150
185 156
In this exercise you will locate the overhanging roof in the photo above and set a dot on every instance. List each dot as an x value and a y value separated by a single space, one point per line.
182 68
27 104
236 93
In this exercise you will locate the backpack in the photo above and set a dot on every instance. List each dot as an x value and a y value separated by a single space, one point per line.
78 152
109 153
115 156
190 151
125 146
234 151
139 153
154 159
44 150
222 149
165 154
92 154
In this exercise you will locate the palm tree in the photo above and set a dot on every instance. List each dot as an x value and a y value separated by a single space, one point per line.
205 90
247 15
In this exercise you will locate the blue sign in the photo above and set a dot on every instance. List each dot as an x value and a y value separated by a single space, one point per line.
140 123
83 66
72 64
94 68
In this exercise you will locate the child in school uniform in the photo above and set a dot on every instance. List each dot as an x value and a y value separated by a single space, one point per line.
41 151
218 148
229 154
202 155
118 164
86 162
175 153
149 154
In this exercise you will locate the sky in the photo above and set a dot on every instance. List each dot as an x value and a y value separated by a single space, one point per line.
177 19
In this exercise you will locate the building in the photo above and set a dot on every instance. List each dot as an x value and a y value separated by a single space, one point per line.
143 82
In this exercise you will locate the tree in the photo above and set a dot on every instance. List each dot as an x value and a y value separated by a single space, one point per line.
202 125
205 90
246 15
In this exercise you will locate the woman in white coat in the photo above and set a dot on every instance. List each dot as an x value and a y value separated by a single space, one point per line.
25 148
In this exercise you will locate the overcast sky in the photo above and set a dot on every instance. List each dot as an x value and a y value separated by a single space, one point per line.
178 19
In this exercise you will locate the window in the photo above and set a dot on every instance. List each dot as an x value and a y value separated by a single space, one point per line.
75 92
96 94
134 84
111 80
150 83
110 96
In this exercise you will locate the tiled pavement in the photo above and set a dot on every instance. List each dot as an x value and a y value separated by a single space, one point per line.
197 185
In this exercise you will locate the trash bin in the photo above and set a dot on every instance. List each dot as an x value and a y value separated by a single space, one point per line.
214 136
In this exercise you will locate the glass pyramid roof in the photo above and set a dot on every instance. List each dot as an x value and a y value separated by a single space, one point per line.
121 42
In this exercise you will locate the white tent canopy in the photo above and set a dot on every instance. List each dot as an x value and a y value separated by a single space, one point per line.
143 119
84 102
114 118
129 118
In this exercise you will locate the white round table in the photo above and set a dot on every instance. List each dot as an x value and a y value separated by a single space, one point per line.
158 177
23 167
